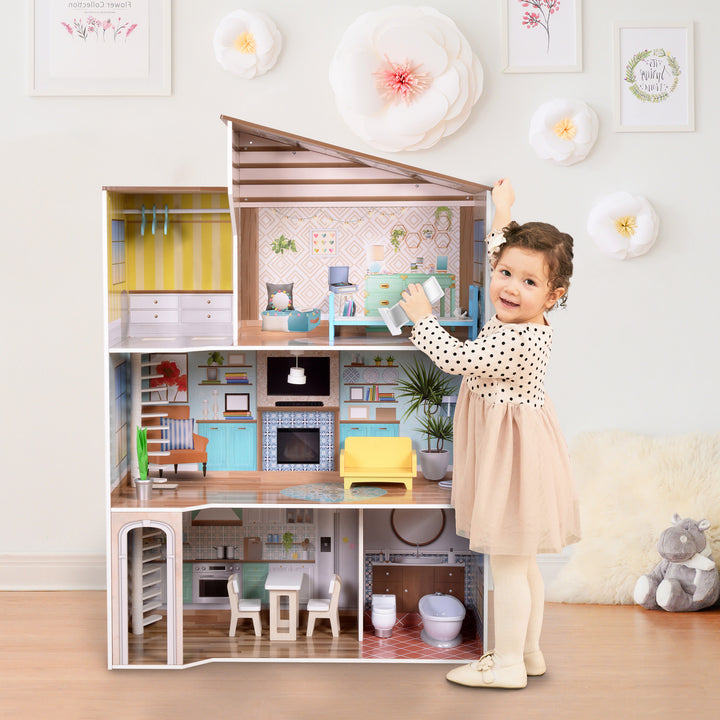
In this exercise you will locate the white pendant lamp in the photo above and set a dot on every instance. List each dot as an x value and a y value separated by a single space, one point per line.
297 374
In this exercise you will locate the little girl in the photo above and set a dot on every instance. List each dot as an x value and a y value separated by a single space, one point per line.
512 489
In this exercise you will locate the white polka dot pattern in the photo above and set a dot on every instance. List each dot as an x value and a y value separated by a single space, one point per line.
505 364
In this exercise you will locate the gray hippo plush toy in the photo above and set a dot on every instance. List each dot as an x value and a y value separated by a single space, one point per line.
686 578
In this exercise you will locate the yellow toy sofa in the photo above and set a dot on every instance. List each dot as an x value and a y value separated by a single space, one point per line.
378 459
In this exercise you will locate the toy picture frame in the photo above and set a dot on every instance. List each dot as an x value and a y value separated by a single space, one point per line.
173 386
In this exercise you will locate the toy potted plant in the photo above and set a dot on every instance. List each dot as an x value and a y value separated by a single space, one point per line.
143 484
287 541
214 359
424 387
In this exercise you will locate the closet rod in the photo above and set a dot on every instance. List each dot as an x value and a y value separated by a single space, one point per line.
170 211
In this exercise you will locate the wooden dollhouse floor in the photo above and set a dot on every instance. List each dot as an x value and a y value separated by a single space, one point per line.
206 637
243 489
347 337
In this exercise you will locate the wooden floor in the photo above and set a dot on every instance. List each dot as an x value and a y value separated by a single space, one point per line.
604 662
245 489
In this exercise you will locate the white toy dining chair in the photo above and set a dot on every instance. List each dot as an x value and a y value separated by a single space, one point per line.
320 608
241 608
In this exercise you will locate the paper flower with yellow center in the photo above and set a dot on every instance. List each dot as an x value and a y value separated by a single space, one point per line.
623 225
404 77
563 131
247 43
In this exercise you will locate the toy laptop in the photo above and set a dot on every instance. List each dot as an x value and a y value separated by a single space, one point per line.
338 279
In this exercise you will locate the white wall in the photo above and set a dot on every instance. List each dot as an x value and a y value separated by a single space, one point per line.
636 349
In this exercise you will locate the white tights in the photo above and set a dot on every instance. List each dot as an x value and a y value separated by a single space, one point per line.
519 601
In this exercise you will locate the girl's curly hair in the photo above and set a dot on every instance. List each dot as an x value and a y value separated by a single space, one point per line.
556 246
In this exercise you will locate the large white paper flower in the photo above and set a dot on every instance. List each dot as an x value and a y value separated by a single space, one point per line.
563 131
247 43
404 77
623 225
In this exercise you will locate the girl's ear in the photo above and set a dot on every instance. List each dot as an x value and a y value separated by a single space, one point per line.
553 297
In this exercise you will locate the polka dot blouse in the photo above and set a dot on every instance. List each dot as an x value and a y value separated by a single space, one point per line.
505 364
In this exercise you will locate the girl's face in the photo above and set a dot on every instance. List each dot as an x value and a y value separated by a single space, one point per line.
520 287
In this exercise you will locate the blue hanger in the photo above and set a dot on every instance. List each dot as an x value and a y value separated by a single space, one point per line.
142 221
166 220
154 224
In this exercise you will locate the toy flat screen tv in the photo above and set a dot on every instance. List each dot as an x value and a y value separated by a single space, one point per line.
317 374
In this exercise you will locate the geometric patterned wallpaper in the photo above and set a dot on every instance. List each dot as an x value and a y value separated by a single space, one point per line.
356 229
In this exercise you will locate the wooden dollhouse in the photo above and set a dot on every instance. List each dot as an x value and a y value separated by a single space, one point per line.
245 463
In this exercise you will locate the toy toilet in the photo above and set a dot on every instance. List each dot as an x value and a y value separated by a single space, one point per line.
383 615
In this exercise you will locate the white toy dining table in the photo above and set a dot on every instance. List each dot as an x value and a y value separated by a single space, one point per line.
284 583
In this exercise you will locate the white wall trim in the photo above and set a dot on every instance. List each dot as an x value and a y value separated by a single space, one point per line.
31 571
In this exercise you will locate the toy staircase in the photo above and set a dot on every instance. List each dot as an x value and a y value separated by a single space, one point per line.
140 392
146 568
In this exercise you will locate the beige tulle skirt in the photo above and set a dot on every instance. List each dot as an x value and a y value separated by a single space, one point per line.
512 488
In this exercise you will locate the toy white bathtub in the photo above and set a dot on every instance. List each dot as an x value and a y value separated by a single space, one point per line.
442 618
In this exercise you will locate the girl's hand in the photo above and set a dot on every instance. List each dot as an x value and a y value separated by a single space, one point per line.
503 195
415 303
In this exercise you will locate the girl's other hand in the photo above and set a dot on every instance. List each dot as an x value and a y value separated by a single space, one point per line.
415 303
503 195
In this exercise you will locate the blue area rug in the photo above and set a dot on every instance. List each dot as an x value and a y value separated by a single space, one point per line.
332 492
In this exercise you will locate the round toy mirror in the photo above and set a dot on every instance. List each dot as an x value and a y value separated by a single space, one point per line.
417 527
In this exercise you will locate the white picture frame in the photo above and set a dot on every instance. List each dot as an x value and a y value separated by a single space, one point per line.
653 78
120 48
551 43
358 412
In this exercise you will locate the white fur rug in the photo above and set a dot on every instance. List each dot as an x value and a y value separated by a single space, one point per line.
629 487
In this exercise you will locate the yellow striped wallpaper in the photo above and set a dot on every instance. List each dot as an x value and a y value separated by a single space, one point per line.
196 254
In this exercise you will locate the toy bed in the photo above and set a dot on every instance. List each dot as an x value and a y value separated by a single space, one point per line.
290 320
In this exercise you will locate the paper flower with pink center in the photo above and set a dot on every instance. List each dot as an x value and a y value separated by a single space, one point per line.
623 225
563 131
404 77
247 43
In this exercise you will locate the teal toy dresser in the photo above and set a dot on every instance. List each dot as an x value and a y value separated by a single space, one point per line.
383 290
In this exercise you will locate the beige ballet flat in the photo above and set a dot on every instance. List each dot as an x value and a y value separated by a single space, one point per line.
534 663
485 673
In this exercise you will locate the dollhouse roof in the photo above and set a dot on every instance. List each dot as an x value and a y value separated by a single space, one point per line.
272 167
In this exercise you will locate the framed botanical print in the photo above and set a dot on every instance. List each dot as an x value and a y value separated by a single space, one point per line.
100 48
542 35
653 78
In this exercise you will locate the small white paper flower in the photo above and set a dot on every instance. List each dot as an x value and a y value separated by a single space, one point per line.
623 225
404 77
247 43
563 131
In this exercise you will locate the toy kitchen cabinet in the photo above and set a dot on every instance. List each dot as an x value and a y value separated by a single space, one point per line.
185 275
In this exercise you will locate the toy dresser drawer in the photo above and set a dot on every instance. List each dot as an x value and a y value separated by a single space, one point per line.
153 316
378 300
206 302
153 302
383 284
207 316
